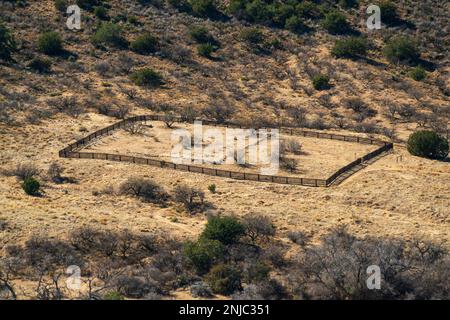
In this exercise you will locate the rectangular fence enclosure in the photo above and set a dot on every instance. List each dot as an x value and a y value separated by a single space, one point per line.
73 151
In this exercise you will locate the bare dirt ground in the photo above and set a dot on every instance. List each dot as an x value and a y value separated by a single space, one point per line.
319 158
389 198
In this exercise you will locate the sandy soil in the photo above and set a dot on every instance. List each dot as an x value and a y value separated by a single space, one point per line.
319 157
389 198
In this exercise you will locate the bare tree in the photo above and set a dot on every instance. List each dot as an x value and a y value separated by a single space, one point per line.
191 198
298 116
258 226
134 128
169 119
219 112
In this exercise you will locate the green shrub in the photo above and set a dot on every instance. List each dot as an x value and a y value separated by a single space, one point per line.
203 253
201 35
145 44
212 188
227 230
335 22
31 186
258 272
88 4
224 279
205 50
401 49
280 12
203 8
388 12
252 35
40 65
7 43
273 43
321 82
256 11
113 295
418 73
133 20
147 78
61 5
109 34
308 10
294 24
348 3
101 13
50 43
350 48
428 144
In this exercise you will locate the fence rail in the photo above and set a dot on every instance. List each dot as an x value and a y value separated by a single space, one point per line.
74 151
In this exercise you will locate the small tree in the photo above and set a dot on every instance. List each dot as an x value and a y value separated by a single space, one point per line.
191 198
40 65
418 73
101 13
201 289
224 279
219 112
295 25
335 22
24 171
203 8
188 114
290 146
61 5
288 164
227 230
201 35
350 48
252 36
88 4
7 43
321 82
348 3
109 34
205 50
298 116
147 78
169 119
401 49
145 44
258 226
50 43
212 188
142 188
428 144
203 253
55 171
389 13
31 186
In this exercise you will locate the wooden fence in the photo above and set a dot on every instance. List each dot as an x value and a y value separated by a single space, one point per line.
74 151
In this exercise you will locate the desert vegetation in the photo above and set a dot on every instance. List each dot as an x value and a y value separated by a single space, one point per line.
140 233
240 259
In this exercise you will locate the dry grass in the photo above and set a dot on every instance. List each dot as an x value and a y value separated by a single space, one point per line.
319 158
